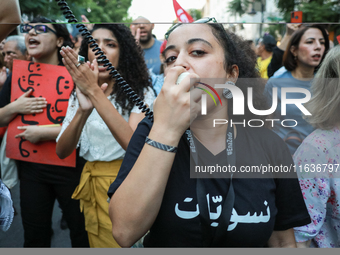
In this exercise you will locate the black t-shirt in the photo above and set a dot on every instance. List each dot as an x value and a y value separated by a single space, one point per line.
5 92
276 62
261 204
41 172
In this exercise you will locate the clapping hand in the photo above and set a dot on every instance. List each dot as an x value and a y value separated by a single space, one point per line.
85 76
85 103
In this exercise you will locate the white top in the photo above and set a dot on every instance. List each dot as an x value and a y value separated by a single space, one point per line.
96 141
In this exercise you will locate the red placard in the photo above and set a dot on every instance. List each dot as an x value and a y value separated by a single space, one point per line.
181 14
53 83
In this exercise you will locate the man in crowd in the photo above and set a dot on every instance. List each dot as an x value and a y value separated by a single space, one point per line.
14 48
142 28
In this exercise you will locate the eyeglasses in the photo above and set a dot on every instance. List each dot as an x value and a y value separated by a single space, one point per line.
39 29
204 20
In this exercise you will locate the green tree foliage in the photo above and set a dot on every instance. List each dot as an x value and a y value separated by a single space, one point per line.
313 10
323 11
95 10
238 7
50 8
275 30
108 10
286 6
195 14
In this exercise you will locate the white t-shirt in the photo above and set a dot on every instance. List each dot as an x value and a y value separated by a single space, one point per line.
96 141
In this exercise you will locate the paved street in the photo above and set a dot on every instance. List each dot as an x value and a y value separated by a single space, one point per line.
14 237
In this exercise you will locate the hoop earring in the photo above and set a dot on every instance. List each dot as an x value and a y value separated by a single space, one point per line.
226 92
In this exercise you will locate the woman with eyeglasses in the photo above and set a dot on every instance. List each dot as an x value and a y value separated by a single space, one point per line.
41 184
194 187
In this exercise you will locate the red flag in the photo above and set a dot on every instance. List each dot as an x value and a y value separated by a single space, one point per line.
181 14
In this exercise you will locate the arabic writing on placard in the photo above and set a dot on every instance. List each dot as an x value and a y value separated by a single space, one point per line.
234 219
53 83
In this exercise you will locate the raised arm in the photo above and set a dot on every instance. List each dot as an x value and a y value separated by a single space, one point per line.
87 82
69 138
290 29
136 203
10 17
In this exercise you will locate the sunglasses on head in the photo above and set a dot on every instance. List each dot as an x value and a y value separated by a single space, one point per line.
204 20
39 29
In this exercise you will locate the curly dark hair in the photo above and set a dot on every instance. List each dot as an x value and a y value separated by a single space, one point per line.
237 51
131 64
61 31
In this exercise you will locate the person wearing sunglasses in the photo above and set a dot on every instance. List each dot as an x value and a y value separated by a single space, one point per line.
154 192
42 184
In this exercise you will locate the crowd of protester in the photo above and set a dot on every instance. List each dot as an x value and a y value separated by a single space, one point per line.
133 183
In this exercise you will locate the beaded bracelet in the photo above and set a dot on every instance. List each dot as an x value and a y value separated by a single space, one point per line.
160 146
